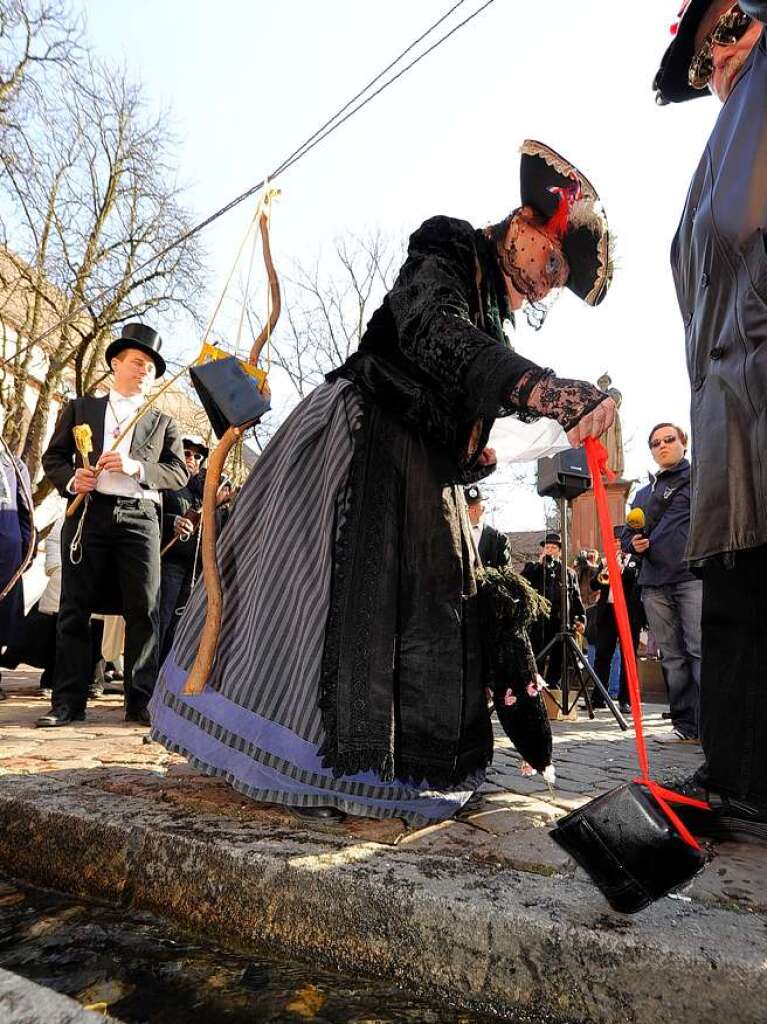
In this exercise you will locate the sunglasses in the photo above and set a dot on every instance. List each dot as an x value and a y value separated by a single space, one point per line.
197 456
731 27
663 440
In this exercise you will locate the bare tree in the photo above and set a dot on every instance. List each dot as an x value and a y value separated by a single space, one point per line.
36 36
326 310
91 196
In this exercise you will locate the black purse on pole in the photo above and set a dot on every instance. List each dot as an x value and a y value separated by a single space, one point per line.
229 394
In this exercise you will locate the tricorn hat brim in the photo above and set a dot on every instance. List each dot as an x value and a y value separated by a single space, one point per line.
586 242
671 83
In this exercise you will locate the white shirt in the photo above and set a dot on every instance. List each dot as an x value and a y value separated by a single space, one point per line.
120 411
477 531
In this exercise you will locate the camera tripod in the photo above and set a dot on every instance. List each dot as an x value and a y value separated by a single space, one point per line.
574 664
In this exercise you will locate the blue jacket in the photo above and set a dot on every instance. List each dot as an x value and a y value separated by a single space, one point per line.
664 561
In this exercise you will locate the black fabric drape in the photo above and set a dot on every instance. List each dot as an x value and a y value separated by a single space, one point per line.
401 689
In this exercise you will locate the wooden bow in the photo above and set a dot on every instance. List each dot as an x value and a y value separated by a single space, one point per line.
206 652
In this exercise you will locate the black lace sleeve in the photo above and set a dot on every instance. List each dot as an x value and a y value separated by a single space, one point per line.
559 398
432 302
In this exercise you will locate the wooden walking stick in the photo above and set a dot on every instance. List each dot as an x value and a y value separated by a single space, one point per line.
237 405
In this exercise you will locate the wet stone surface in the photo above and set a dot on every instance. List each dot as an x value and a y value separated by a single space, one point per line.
511 828
139 971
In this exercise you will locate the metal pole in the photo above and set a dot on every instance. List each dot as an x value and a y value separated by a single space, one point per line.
563 597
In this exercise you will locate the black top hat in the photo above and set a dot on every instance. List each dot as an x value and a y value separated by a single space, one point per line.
551 538
139 336
549 184
671 84
195 441
473 494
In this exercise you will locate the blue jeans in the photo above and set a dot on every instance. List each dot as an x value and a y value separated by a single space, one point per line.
674 615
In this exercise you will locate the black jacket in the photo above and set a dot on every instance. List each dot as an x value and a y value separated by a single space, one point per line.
719 259
546 578
156 444
663 562
631 590
434 353
493 547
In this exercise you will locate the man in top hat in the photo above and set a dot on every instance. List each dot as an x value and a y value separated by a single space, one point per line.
492 545
111 545
719 259
546 576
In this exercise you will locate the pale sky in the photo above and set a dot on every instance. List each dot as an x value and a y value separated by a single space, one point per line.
247 80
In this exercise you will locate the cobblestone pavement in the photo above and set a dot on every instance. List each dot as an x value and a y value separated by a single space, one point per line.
510 829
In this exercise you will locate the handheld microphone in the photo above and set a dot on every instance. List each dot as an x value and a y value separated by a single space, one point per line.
636 521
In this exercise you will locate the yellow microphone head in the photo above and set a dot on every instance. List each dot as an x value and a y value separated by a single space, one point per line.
635 519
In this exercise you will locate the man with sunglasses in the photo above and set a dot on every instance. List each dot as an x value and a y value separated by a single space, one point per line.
719 259
670 593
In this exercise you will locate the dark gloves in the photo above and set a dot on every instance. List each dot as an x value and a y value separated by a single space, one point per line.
559 398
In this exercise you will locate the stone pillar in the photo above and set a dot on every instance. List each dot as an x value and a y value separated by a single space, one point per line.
584 527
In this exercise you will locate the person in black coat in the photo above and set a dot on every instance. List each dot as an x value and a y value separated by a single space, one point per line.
545 576
181 560
605 623
719 261
493 546
111 545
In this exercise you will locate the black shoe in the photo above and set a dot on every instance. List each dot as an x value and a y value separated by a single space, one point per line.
728 819
95 690
3 694
666 715
624 707
318 816
113 675
138 715
59 716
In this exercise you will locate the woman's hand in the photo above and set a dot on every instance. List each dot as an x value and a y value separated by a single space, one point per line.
593 424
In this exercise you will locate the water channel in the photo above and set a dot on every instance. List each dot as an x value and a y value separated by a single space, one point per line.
144 971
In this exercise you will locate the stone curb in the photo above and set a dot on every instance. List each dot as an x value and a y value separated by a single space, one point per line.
484 935
24 1002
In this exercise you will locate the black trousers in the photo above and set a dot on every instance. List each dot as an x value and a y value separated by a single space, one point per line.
733 681
606 642
120 559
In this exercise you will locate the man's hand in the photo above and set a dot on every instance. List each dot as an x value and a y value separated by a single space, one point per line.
116 462
487 457
84 481
593 424
183 527
640 544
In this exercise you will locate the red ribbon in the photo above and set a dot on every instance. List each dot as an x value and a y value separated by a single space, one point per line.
596 454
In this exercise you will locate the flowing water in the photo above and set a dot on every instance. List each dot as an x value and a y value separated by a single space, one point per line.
141 970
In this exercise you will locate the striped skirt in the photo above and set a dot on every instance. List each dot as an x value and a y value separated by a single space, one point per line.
257 723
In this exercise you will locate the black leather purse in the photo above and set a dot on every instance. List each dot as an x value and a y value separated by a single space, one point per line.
229 394
629 847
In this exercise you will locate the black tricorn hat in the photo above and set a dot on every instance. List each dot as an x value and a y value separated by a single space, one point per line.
671 84
473 494
139 336
549 184
551 538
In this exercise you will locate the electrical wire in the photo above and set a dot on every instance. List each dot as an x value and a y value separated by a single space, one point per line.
306 146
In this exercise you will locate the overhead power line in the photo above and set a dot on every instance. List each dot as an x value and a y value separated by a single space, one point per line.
341 116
